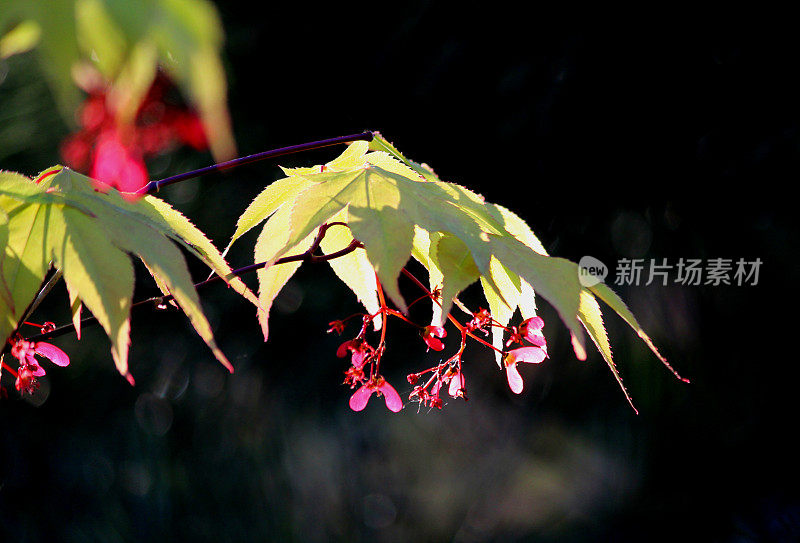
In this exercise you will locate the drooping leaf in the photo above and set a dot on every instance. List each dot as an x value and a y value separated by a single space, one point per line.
457 269
501 288
592 319
387 236
26 255
273 278
604 292
354 269
88 235
180 229
555 279
100 273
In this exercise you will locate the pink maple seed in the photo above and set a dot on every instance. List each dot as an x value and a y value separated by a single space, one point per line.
341 352
360 398
531 355
534 323
53 353
29 368
393 401
359 349
429 335
457 386
357 360
531 330
435 388
514 379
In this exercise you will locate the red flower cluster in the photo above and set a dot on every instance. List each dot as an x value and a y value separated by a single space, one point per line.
526 343
361 355
112 153
445 373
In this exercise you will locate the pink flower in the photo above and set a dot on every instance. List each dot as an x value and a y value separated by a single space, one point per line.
429 335
531 355
358 401
531 329
353 376
29 368
455 378
26 380
480 319
359 349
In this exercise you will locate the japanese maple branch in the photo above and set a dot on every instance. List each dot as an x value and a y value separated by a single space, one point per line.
307 256
154 186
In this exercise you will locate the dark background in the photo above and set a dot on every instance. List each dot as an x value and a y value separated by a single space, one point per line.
660 139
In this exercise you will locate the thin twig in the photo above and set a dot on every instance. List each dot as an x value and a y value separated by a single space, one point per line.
450 317
307 256
154 186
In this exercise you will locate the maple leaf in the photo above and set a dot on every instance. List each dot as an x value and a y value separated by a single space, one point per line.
89 236
274 205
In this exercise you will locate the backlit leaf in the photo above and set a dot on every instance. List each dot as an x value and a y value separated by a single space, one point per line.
592 319
88 235
458 271
602 291
354 269
266 203
273 278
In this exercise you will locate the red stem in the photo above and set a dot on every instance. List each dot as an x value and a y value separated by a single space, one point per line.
10 369
451 318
